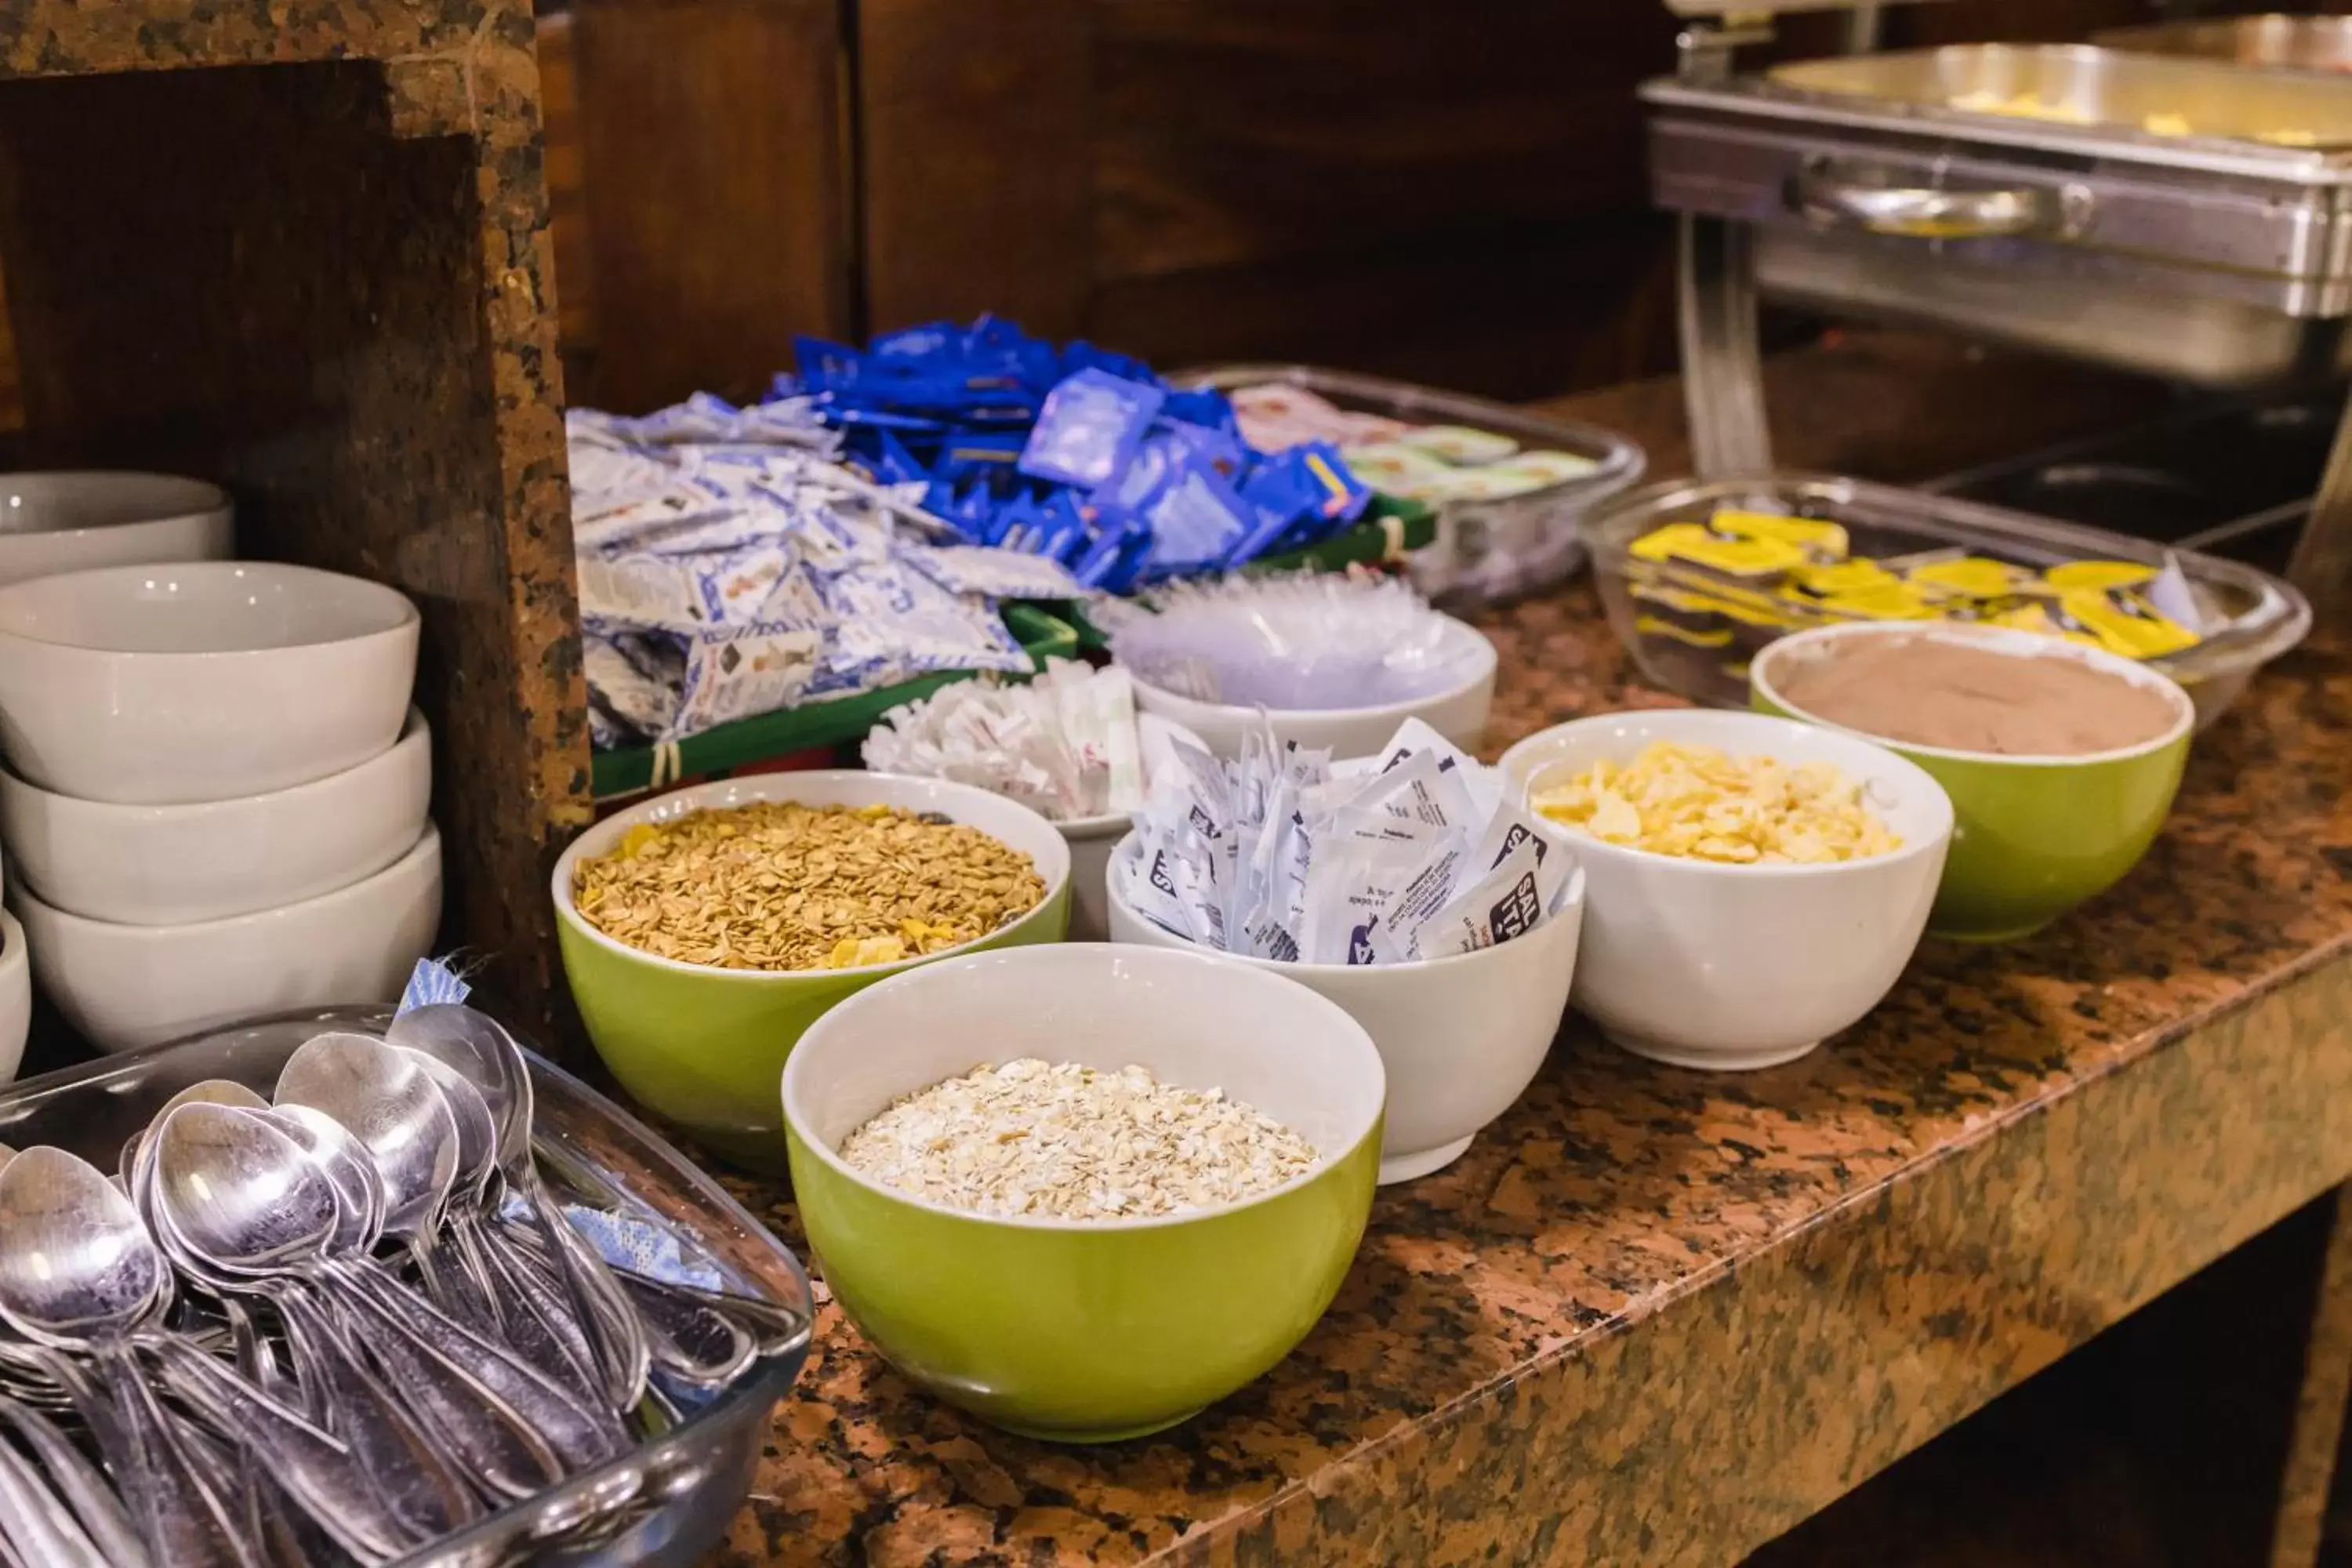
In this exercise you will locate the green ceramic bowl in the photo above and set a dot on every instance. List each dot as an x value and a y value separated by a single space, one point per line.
1071 1330
701 1047
2033 836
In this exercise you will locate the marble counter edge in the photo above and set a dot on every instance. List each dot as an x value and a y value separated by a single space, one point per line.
1519 1430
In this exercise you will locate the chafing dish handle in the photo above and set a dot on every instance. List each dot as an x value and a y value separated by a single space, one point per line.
1918 213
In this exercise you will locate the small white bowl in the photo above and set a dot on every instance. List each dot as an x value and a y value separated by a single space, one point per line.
163 685
127 987
175 865
56 523
1459 713
15 997
1461 1038
1709 965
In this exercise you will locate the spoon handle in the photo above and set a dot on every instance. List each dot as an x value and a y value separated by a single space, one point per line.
37 1522
426 1492
577 1437
187 1522
539 1324
103 1516
615 1332
322 1475
487 1437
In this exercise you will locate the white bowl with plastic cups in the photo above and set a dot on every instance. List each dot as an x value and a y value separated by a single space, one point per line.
1458 712
1461 1038
1701 964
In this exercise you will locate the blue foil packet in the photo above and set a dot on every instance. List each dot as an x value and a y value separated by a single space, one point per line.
1090 428
1204 407
1196 519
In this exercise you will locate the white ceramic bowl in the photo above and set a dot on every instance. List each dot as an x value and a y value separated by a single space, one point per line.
1710 965
1459 713
173 865
57 523
15 997
127 987
162 685
1462 1038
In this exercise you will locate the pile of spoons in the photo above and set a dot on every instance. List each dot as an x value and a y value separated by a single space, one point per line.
331 1326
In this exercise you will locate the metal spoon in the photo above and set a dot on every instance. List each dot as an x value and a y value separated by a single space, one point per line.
243 1196
70 1278
487 1057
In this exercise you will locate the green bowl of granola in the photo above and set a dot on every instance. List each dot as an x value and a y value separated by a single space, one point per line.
1063 1247
657 965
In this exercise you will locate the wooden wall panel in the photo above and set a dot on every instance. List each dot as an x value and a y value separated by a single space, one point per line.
715 170
977 129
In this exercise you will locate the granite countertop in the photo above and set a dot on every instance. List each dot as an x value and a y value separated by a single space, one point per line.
1660 1315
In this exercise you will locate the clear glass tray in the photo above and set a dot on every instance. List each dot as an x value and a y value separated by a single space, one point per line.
2252 618
1485 550
666 1504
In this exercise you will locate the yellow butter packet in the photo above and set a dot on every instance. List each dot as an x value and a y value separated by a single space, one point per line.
1736 557
1820 538
2099 575
2037 615
1835 577
2126 624
1970 577
1892 602
1750 609
1659 627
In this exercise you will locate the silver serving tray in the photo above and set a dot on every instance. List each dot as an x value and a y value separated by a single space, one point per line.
2210 257
666 1504
2274 42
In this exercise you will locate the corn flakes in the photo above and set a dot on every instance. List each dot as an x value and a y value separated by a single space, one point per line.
1699 804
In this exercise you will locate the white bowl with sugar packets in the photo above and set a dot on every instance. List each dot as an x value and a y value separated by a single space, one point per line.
1707 964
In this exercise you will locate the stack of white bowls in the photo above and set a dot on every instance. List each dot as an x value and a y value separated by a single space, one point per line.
53 522
215 796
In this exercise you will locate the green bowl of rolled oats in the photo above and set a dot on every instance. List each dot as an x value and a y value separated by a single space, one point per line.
1085 1191
704 929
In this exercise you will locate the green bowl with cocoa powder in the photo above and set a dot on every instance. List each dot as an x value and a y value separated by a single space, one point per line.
1080 1331
702 1046
2032 836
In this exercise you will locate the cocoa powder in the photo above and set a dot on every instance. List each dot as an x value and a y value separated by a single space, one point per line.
1967 697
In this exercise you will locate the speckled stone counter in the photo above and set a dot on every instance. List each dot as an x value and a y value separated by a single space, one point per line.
1656 1316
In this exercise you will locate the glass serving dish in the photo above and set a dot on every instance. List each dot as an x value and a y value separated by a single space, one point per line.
664 1505
1688 647
1485 550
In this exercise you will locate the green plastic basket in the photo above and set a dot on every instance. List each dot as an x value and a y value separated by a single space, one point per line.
1390 527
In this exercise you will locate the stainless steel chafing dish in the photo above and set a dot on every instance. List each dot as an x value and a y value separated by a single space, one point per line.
2179 217
2271 43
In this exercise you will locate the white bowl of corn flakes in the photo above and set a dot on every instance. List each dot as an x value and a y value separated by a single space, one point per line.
1752 884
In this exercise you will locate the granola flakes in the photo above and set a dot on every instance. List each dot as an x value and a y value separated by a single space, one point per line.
1063 1141
776 885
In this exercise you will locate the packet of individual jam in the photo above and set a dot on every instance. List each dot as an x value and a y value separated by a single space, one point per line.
1459 444
1553 467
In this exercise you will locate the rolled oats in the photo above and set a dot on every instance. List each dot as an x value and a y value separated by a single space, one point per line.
1065 1142
776 885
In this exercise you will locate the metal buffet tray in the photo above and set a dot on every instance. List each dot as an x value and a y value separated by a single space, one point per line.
665 1505
2274 42
2211 258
